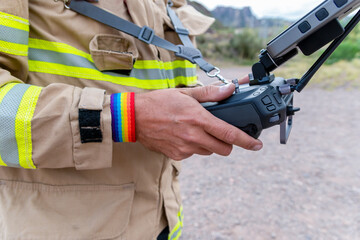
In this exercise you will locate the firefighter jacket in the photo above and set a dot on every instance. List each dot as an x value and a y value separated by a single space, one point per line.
57 72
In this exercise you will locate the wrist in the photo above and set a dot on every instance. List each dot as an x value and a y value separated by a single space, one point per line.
123 117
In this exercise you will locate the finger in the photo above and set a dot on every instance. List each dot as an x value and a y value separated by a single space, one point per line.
214 145
217 83
203 152
197 140
244 80
230 134
200 140
210 93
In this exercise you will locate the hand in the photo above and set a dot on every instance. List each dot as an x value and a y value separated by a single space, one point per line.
173 122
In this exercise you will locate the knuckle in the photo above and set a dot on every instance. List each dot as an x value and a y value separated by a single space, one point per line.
190 137
177 156
230 136
189 119
185 150
208 90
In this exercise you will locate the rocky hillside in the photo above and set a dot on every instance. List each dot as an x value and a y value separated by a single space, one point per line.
238 18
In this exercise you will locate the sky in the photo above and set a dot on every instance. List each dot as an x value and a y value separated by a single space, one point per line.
289 9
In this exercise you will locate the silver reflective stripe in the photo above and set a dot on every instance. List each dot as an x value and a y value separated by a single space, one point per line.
60 58
156 74
8 110
175 234
14 35
181 72
73 60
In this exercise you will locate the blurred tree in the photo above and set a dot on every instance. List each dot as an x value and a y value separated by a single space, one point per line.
246 45
349 49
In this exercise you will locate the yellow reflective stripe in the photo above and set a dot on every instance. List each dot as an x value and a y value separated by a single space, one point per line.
187 81
3 91
153 64
2 162
92 74
154 78
57 47
13 21
23 126
176 232
139 64
13 48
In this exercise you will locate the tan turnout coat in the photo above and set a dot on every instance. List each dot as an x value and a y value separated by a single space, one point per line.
93 190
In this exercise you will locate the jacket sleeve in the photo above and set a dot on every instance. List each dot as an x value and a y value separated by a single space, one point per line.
57 126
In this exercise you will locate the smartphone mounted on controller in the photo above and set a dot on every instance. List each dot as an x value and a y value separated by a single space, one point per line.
268 100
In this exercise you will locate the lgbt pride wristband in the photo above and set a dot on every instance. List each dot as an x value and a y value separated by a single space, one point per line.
123 117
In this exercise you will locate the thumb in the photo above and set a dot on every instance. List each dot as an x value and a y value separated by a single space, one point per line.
211 93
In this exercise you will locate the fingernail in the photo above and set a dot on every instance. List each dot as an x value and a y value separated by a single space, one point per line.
226 87
257 147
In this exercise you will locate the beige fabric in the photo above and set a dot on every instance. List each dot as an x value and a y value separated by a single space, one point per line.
111 52
96 190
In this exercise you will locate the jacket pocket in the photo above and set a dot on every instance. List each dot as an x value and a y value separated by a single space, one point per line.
40 211
113 52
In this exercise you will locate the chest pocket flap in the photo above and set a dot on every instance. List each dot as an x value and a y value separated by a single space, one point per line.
113 52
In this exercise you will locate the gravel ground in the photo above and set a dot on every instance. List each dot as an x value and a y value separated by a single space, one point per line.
308 189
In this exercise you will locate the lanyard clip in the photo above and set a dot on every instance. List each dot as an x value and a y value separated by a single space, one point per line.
66 3
217 75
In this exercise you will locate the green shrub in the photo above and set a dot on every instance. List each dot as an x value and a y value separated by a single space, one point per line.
226 45
246 45
349 49
346 51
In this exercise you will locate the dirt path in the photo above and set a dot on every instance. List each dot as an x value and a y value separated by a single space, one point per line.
306 190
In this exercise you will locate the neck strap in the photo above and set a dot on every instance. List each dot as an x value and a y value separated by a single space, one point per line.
147 34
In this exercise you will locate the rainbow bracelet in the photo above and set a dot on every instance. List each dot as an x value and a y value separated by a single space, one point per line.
123 117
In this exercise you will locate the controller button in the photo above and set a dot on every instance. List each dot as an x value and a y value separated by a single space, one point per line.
266 100
271 108
277 98
304 27
340 3
263 89
256 94
322 14
274 118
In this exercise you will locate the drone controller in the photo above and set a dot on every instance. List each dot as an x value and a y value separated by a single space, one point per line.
268 101
258 107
